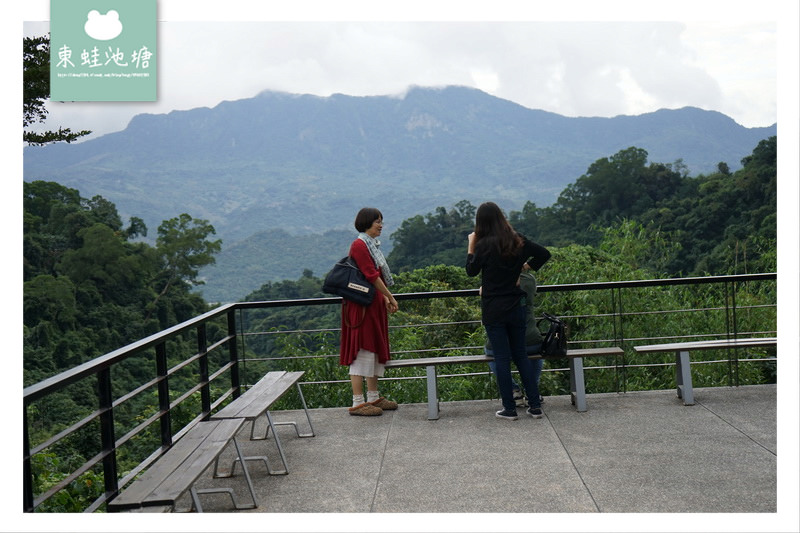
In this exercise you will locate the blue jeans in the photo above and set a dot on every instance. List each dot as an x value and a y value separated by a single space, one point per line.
537 365
507 338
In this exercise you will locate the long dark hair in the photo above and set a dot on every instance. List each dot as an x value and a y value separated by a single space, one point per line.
492 231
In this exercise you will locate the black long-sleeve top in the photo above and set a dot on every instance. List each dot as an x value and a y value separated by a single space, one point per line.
500 291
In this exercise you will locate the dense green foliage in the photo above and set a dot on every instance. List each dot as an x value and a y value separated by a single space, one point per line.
721 223
89 288
451 326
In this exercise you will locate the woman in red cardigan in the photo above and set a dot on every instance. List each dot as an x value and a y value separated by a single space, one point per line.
365 330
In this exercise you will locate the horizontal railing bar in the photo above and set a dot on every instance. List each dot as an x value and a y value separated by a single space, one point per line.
62 484
119 401
219 343
62 379
224 396
279 331
139 428
65 432
656 282
183 364
221 371
54 383
138 390
180 399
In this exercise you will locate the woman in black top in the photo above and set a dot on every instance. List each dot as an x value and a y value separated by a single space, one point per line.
498 253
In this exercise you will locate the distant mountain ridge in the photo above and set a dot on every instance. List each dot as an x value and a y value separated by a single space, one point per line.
305 164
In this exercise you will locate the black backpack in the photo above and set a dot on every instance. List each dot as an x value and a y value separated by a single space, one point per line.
554 343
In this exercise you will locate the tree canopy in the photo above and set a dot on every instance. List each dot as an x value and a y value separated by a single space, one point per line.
719 223
36 90
89 288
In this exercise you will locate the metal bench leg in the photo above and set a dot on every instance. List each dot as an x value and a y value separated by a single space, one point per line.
683 377
239 506
254 458
271 425
577 383
433 395
292 423
278 443
308 416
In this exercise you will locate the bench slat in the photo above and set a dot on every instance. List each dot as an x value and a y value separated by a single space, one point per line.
270 396
261 396
258 399
683 370
174 459
132 496
466 359
195 464
708 345
250 399
575 357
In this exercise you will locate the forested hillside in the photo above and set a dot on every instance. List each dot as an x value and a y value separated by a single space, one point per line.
721 223
269 256
89 288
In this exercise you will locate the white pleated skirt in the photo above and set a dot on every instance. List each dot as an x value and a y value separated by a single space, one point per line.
367 365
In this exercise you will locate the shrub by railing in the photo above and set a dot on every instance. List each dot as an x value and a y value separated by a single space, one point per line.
129 418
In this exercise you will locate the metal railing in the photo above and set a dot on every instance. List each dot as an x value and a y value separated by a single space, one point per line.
216 363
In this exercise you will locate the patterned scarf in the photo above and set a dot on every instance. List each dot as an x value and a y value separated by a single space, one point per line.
373 245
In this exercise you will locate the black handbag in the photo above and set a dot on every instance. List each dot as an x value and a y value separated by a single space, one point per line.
347 281
554 343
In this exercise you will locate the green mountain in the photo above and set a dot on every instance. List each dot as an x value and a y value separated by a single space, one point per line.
306 164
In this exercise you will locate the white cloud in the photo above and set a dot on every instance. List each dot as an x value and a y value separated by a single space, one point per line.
570 68
485 79
743 58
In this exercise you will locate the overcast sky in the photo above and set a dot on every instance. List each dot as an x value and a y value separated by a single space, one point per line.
596 68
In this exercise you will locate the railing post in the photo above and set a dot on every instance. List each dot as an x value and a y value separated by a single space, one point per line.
202 349
619 335
236 384
735 334
27 471
163 394
107 438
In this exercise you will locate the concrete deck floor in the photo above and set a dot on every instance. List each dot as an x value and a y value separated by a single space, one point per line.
639 452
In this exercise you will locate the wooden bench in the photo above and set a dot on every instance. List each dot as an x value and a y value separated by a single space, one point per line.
256 401
575 357
683 373
178 469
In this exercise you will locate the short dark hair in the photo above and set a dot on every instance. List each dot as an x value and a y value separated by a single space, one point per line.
365 217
